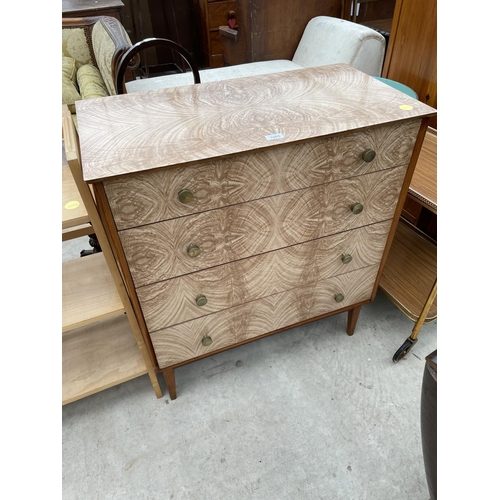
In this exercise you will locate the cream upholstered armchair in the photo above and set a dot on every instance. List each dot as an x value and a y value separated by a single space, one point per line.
91 50
326 40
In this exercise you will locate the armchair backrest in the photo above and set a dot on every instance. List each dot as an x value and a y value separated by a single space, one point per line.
328 40
109 41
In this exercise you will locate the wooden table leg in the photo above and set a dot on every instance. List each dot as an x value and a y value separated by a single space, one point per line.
352 319
168 373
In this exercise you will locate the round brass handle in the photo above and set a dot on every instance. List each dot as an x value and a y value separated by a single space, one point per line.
193 250
201 300
206 340
338 297
368 155
356 208
346 258
185 196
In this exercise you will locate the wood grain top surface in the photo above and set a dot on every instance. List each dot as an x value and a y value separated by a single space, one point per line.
137 132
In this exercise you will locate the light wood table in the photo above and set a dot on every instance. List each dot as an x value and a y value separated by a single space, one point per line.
410 274
100 347
75 219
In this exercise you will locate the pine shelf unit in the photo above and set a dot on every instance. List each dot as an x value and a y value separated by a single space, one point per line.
101 342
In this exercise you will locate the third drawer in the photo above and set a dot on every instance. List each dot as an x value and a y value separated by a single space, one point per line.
212 290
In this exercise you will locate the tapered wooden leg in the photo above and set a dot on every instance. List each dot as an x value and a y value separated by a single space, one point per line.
352 319
156 386
168 373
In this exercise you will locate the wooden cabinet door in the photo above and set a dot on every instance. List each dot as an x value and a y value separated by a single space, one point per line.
412 52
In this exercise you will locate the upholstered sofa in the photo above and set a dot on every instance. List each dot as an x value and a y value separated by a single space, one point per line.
91 50
326 40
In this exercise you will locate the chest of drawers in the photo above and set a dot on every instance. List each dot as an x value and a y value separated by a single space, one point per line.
245 207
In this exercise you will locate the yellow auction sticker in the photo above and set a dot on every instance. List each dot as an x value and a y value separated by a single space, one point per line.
71 205
405 107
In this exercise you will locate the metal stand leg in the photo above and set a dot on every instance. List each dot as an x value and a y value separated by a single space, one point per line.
412 339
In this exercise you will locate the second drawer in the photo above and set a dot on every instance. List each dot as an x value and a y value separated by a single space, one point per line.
157 252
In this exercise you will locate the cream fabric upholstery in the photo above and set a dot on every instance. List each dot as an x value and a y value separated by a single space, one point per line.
103 50
74 45
90 82
69 88
326 40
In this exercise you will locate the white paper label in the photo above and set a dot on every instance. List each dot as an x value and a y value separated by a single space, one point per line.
272 137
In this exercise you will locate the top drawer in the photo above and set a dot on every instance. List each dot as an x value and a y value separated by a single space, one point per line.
167 194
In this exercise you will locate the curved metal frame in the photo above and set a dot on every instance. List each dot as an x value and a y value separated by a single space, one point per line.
146 44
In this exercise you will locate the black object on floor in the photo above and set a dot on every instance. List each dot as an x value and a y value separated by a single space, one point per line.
428 422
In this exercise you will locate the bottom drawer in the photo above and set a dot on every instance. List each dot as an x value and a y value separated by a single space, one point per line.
219 330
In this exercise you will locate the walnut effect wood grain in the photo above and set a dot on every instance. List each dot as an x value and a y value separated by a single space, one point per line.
174 301
159 251
183 342
147 130
153 196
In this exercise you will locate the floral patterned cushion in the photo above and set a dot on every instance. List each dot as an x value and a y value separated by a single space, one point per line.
74 45
69 67
90 82
70 92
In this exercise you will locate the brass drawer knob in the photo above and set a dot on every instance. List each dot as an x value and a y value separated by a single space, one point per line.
368 155
338 297
185 196
206 340
201 300
356 208
193 250
346 258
